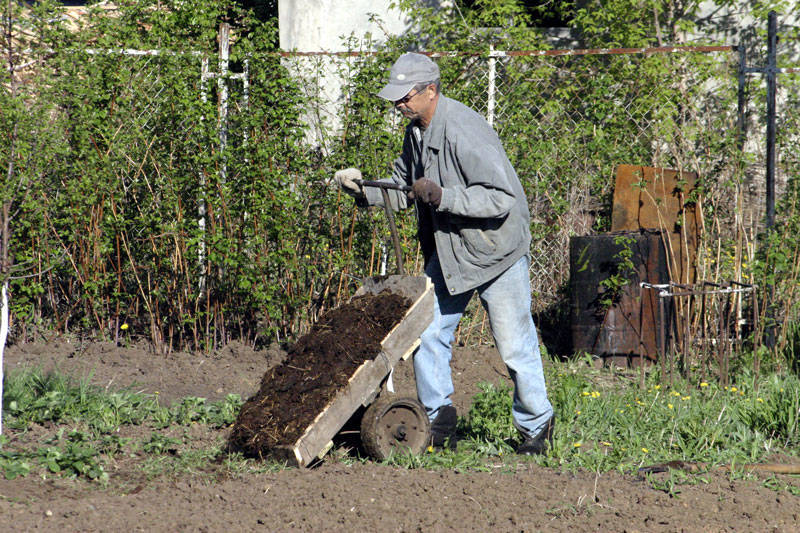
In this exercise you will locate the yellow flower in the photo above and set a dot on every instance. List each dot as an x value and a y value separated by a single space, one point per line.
657 387
577 444
675 393
669 405
734 389
686 398
123 327
430 449
604 443
645 450
704 384
584 393
760 400
741 393
577 411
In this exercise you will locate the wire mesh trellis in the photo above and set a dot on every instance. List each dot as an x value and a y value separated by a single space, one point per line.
567 119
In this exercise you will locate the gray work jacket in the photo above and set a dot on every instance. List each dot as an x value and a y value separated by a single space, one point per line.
482 225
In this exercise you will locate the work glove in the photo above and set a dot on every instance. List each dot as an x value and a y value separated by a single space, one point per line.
426 192
346 179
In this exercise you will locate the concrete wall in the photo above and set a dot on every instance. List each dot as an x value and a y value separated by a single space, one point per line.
737 23
319 25
323 26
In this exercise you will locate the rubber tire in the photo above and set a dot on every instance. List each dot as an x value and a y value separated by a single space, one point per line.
385 418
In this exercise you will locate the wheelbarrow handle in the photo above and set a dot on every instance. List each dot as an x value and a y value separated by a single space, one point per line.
384 185
387 207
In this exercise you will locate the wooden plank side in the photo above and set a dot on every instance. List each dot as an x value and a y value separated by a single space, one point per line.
657 198
407 332
341 408
398 343
409 286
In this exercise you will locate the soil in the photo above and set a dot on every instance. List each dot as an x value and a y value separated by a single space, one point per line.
339 495
319 364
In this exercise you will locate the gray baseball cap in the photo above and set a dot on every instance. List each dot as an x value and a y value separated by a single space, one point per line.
409 70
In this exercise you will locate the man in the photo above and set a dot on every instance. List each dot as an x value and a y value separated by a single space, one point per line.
473 226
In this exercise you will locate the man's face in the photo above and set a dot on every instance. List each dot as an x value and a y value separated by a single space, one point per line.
418 105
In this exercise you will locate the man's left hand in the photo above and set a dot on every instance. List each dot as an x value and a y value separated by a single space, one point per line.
426 191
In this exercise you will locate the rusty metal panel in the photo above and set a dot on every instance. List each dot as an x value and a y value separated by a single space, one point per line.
665 200
629 327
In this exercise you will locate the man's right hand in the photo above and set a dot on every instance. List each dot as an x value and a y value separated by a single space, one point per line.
346 179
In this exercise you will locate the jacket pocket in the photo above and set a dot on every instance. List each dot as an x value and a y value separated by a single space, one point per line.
477 242
478 238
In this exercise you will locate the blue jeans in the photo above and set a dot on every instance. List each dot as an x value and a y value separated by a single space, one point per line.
507 300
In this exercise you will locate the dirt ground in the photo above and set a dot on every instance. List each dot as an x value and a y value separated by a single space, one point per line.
347 495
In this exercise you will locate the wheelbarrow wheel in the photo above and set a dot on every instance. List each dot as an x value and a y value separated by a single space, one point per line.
393 425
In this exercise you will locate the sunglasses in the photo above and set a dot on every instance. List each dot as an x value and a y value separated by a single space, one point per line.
406 98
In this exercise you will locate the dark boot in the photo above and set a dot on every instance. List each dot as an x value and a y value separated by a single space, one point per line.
443 428
538 444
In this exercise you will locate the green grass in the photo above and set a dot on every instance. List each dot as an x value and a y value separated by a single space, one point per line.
604 422
88 418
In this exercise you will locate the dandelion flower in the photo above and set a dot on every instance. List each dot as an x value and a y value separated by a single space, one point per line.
605 443
704 384
577 411
123 327
577 444
760 400
734 389
669 405
585 393
645 450
430 449
684 398
657 387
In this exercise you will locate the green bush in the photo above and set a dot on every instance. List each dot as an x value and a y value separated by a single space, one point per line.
114 158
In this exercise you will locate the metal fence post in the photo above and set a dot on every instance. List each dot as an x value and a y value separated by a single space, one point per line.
222 87
490 105
201 196
771 72
742 125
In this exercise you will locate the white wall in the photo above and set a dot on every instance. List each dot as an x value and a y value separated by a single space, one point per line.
318 25
323 26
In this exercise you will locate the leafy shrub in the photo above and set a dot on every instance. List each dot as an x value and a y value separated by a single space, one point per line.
489 417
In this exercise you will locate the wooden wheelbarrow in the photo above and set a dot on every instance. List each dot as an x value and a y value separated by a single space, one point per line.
390 423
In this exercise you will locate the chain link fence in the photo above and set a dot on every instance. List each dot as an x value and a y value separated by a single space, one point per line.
213 236
569 118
